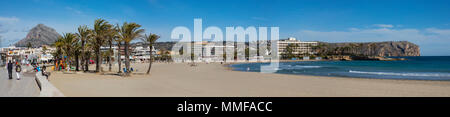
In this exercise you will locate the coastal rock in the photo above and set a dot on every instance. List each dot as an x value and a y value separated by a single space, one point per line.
389 48
38 36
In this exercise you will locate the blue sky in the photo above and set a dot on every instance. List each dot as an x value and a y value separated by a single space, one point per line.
424 22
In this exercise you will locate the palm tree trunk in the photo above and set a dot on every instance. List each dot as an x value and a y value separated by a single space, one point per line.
98 59
86 62
82 56
56 64
77 62
59 63
151 60
109 57
68 63
119 59
127 59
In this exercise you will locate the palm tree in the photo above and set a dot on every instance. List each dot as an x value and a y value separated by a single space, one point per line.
44 50
129 32
110 38
150 40
84 34
106 54
88 53
119 41
58 53
101 28
76 53
70 47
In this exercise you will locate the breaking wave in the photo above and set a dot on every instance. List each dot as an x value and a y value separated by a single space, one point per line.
290 67
403 74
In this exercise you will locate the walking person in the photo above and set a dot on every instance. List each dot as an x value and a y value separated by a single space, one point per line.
10 67
18 70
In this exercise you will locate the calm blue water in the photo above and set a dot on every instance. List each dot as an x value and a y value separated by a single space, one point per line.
414 68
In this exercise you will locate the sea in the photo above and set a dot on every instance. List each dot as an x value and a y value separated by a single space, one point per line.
413 68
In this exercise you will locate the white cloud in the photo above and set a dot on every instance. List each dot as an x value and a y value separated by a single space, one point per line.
11 37
354 29
155 3
76 11
7 23
10 31
9 20
361 35
259 18
438 31
384 25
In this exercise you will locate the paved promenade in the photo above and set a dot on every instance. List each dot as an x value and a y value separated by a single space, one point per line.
26 87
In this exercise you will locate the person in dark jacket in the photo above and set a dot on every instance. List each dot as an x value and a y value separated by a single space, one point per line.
10 68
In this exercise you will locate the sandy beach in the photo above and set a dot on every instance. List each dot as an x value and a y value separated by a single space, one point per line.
212 80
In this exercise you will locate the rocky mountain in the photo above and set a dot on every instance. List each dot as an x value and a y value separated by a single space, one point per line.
38 36
389 48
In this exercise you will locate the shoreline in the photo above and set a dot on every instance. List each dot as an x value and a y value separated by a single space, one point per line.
216 80
357 78
305 75
387 77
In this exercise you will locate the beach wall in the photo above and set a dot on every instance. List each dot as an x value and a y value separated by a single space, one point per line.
47 89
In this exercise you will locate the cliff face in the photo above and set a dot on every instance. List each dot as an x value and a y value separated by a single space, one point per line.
391 48
38 36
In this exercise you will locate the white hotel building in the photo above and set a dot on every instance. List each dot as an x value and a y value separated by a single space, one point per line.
302 48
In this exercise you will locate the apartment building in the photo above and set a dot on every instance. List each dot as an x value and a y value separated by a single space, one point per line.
302 47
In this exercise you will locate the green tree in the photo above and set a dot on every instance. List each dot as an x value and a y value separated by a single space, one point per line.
321 49
29 45
128 32
70 47
247 53
289 51
76 49
150 40
101 28
119 41
84 34
57 55
44 50
110 38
